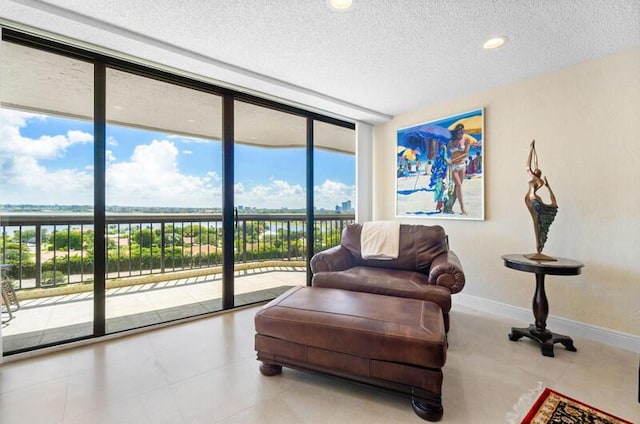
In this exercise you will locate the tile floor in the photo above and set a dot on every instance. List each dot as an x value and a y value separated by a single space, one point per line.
205 371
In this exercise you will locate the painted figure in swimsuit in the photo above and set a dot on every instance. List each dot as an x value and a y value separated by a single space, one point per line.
458 148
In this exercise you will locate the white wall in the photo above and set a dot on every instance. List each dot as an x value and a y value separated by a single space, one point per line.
586 122
364 171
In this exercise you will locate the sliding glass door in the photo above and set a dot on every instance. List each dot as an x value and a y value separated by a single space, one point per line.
163 209
334 173
46 203
270 202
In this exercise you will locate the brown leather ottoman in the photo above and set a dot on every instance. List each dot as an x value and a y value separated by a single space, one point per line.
390 342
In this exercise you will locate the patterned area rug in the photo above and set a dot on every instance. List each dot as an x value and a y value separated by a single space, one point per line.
552 407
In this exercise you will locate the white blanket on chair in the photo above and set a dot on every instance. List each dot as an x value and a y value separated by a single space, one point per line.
380 240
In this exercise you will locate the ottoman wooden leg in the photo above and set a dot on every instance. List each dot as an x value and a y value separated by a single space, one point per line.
270 369
429 409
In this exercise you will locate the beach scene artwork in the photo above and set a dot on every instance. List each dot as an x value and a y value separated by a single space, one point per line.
440 168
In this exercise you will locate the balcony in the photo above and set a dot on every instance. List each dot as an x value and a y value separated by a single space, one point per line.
159 268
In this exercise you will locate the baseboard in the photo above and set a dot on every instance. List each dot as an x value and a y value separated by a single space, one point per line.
557 324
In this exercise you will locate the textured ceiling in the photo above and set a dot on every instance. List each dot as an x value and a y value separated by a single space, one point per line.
383 57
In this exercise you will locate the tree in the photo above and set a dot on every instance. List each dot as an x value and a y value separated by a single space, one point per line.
67 240
25 235
253 231
14 252
326 239
145 238
173 239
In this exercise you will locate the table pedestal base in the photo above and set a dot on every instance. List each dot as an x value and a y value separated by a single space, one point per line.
545 337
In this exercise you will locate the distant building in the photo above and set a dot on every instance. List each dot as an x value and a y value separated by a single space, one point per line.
345 207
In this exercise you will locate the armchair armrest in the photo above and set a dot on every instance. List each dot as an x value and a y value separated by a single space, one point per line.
336 258
446 271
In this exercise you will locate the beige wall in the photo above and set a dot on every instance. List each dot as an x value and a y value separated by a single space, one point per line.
586 122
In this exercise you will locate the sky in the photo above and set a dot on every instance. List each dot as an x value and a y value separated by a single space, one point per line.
49 160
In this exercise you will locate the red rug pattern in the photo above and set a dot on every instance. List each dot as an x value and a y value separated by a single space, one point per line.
552 407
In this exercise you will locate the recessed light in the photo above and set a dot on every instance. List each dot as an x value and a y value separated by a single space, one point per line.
340 4
494 42
117 107
191 121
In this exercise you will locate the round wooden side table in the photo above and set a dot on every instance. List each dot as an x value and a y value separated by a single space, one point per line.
538 331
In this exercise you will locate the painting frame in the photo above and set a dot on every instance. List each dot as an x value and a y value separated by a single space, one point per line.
435 161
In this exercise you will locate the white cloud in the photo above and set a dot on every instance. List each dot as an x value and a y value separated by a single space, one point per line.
75 136
149 178
24 180
44 147
280 193
112 141
152 178
16 119
332 193
275 195
187 152
212 177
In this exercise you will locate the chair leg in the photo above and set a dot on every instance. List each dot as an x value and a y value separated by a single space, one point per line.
6 305
8 298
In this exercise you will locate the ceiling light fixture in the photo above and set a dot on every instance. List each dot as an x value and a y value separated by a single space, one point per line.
494 42
340 4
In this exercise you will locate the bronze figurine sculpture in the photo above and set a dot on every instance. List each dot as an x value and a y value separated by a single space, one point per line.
542 213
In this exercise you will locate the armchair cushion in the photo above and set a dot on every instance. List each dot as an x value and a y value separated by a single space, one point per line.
388 282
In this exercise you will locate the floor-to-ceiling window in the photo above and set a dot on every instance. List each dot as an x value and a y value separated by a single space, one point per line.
46 196
270 200
130 196
163 201
334 173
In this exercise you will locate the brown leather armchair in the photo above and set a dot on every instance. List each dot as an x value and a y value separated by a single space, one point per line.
426 269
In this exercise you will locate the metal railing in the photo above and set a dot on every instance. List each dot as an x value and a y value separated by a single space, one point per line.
52 250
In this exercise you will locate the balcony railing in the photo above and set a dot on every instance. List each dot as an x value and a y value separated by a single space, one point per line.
53 250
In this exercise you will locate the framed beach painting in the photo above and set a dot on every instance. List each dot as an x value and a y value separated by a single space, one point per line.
440 168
